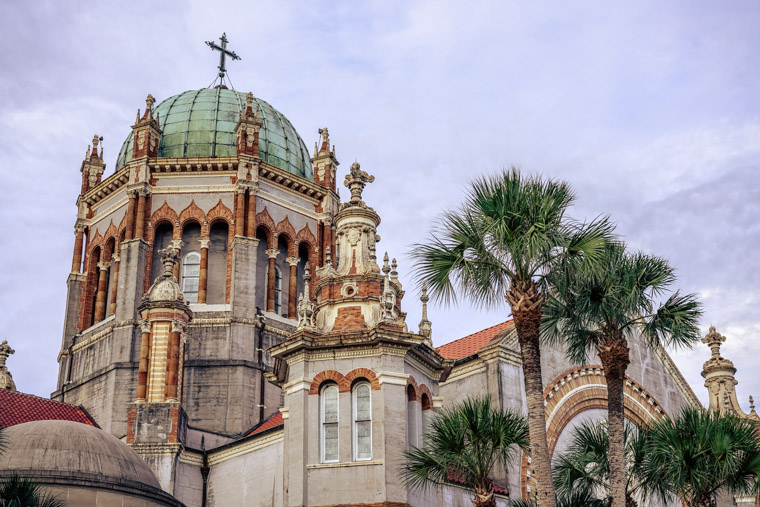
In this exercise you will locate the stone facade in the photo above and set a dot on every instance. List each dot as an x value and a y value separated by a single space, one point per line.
230 321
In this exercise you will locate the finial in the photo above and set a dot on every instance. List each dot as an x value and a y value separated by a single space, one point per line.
95 140
751 404
169 257
138 115
386 267
316 150
394 273
249 101
149 101
5 351
305 311
355 181
325 139
425 324
713 339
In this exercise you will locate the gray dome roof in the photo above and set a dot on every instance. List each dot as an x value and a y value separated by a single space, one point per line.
201 123
59 450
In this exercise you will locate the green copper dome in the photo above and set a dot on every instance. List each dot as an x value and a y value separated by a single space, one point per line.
201 123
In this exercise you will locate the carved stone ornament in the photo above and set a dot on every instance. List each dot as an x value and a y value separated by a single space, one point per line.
141 139
305 310
354 235
166 288
388 302
355 181
6 380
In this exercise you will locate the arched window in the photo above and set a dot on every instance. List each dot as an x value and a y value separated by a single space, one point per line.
362 415
411 417
277 291
329 423
191 271
427 412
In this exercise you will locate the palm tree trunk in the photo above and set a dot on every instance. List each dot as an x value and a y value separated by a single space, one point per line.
484 495
613 352
527 307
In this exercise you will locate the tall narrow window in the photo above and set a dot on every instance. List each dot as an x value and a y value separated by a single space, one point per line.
329 423
362 408
277 291
411 417
191 270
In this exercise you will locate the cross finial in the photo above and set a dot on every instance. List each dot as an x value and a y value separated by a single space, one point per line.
223 53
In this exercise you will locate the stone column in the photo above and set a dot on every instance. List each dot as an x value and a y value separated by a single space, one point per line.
114 289
240 212
292 286
250 230
100 298
142 369
272 253
203 275
140 222
172 360
130 229
327 241
76 262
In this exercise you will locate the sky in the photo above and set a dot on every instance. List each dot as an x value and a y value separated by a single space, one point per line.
649 109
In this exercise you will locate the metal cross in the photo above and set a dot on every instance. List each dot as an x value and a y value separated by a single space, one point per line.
223 53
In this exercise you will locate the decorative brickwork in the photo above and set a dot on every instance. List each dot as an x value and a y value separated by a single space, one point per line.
585 388
426 397
305 236
166 214
263 219
349 317
194 214
412 389
363 373
325 376
111 233
284 228
219 212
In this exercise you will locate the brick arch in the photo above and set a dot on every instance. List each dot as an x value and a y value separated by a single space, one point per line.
285 228
264 219
585 388
413 383
362 373
425 392
111 232
166 214
193 213
122 227
305 236
219 212
97 240
109 246
325 376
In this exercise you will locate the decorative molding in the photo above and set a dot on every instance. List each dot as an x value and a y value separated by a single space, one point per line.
345 464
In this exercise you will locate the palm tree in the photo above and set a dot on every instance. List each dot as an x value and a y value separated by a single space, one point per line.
599 309
510 233
585 465
465 443
576 498
699 454
18 491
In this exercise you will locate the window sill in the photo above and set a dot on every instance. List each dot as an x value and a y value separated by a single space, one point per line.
346 464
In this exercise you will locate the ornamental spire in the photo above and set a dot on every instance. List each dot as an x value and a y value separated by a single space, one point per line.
355 181
6 380
425 325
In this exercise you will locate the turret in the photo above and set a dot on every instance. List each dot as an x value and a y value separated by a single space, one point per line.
147 132
92 165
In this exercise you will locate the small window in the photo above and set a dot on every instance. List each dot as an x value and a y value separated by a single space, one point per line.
277 291
191 271
362 408
329 423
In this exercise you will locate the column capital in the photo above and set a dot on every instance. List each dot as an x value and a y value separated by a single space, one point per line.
79 226
144 326
292 261
115 257
205 243
179 326
103 265
272 252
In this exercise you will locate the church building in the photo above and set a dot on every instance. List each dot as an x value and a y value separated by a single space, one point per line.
233 335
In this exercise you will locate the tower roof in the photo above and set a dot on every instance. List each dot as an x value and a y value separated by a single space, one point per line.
201 123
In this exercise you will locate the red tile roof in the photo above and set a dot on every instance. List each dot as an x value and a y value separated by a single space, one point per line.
456 479
273 421
471 344
17 408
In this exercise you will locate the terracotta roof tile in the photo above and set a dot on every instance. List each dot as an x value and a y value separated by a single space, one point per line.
456 479
470 344
17 408
272 421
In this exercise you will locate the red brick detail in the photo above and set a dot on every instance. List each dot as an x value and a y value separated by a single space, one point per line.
263 219
96 241
19 408
305 236
284 228
426 397
325 376
220 212
195 214
412 389
471 344
166 214
564 402
111 233
365 374
131 418
174 417
349 317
